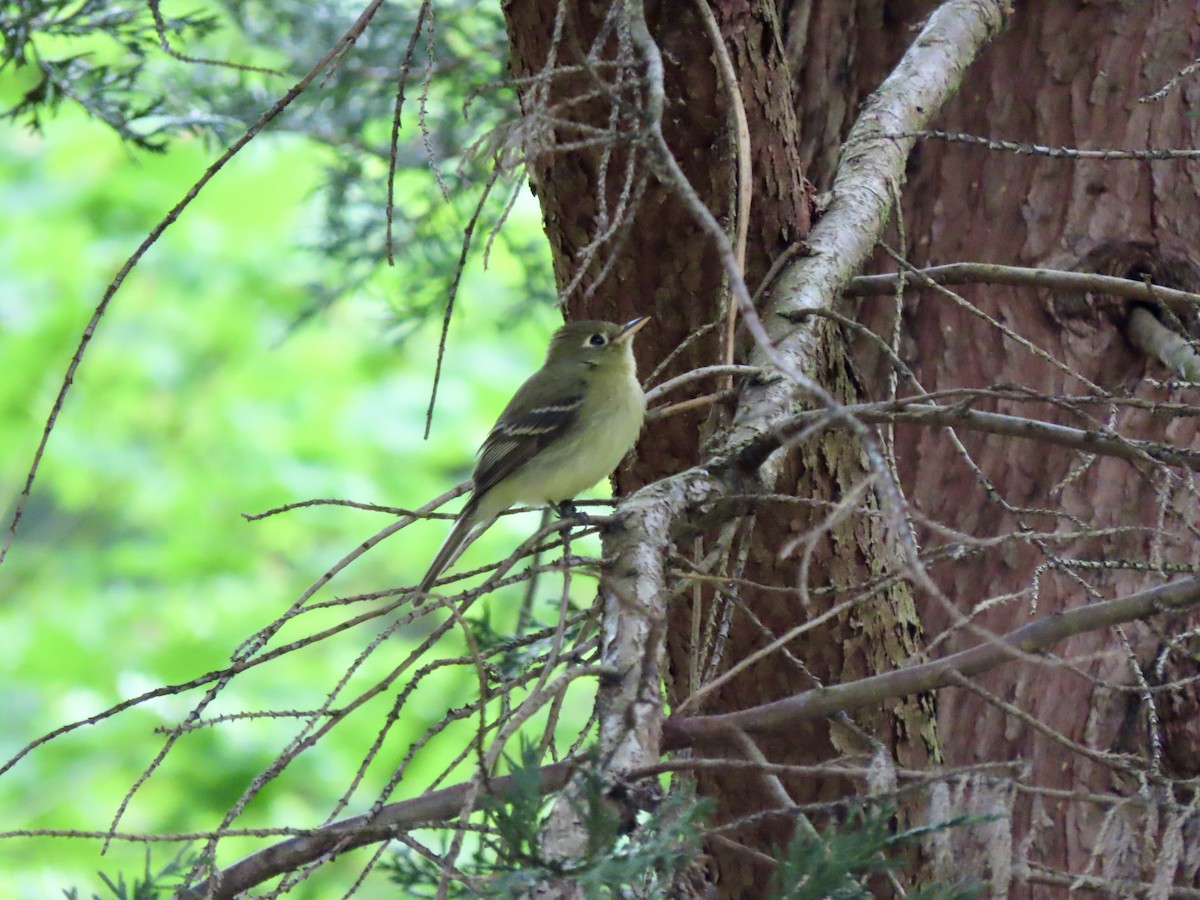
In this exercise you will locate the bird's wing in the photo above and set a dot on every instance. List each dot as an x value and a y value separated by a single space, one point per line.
518 436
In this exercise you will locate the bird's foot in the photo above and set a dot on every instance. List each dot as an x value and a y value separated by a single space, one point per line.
567 510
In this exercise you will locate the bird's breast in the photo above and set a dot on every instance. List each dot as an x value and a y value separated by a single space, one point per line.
609 422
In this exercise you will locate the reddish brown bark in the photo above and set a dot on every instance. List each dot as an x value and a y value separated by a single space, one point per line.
1066 74
672 269
1062 76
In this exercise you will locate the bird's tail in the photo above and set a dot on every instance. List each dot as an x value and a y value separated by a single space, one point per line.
456 541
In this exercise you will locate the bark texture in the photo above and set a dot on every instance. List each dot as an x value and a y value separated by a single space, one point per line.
1066 73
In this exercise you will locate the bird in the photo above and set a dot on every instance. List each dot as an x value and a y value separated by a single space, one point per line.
566 428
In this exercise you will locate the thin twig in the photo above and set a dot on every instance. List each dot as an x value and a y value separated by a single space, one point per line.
1180 302
695 374
340 46
1183 73
1149 155
160 26
729 81
401 81
452 294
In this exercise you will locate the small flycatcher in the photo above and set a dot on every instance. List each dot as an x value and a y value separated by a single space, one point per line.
567 427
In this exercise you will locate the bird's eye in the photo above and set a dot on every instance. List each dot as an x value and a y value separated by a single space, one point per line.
597 340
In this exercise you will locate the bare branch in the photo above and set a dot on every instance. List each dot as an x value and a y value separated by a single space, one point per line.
1154 154
1032 638
960 416
1178 301
357 831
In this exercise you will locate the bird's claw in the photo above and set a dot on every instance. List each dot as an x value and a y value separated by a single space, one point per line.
567 510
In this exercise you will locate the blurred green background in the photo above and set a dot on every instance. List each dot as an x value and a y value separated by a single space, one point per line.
211 389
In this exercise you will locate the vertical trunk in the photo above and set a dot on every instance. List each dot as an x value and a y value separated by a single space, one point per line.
668 268
1066 74
1071 77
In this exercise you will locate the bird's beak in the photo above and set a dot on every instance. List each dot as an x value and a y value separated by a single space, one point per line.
632 327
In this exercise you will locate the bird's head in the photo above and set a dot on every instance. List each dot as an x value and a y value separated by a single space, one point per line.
594 343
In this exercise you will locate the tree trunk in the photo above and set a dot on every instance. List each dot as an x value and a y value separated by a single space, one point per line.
1065 74
627 243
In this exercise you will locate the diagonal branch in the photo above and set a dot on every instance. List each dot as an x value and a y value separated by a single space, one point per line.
872 163
341 46
782 715
357 831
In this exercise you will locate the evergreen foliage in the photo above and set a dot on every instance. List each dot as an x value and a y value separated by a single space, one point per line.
153 78
96 54
842 862
641 861
149 885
